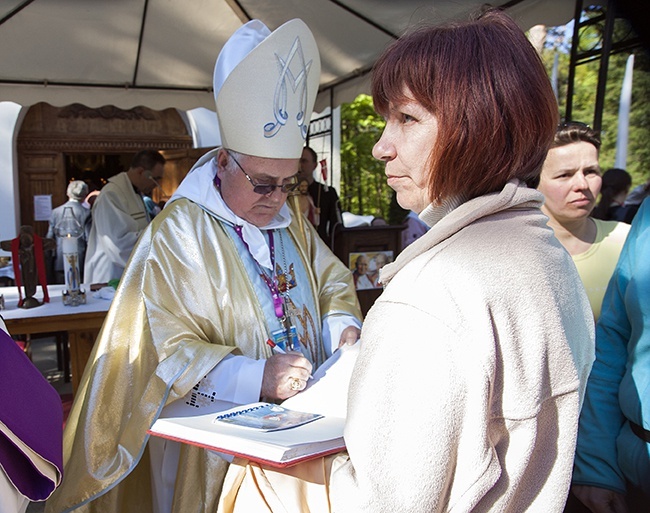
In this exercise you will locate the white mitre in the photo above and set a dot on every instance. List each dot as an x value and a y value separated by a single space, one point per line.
265 85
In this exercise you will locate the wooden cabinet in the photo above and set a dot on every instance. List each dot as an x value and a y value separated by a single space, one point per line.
48 135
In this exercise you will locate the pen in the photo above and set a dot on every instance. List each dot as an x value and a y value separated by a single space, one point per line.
275 347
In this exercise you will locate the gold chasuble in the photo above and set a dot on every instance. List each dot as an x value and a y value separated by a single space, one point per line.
184 302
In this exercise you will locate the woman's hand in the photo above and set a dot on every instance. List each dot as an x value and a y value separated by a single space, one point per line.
285 375
600 500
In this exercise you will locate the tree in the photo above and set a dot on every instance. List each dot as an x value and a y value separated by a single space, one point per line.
363 183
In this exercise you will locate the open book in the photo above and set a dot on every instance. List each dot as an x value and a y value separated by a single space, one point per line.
307 426
280 447
327 393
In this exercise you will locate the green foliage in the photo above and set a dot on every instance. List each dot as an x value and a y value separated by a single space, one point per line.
363 183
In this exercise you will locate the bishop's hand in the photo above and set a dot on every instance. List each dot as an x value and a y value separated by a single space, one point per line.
349 336
284 376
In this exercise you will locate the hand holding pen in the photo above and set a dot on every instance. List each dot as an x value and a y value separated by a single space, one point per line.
278 350
285 373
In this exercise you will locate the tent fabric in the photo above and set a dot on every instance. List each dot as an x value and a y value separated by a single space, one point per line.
161 53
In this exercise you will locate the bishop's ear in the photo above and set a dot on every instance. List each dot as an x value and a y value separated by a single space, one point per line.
222 158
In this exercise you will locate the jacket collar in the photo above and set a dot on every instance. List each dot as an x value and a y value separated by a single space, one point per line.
452 216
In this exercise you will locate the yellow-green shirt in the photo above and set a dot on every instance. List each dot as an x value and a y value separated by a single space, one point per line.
596 265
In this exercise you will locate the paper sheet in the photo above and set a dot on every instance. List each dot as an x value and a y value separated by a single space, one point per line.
327 393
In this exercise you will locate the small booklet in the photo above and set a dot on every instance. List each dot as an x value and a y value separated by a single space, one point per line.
265 417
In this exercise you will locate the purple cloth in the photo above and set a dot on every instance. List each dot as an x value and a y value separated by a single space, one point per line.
32 410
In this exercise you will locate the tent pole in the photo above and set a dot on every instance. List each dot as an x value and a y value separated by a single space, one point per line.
573 62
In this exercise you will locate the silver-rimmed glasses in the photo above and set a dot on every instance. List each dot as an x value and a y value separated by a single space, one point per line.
267 188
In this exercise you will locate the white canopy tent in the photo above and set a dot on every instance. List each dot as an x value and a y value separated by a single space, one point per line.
161 53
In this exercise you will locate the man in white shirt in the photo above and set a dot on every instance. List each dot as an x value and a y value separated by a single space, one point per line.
119 217
77 191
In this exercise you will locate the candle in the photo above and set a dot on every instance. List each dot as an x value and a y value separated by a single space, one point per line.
70 262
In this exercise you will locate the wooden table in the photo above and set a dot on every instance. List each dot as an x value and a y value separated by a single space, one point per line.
82 323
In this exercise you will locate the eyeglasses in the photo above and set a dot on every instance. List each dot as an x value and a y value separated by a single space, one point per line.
267 188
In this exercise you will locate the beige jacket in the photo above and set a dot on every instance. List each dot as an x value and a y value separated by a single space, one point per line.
467 391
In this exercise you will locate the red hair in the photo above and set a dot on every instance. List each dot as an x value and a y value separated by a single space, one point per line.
491 96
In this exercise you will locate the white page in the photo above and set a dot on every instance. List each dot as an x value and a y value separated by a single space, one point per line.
42 207
327 393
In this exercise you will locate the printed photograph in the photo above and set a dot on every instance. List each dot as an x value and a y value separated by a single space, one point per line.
365 268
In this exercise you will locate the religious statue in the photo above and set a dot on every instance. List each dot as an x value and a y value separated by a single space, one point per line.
29 264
